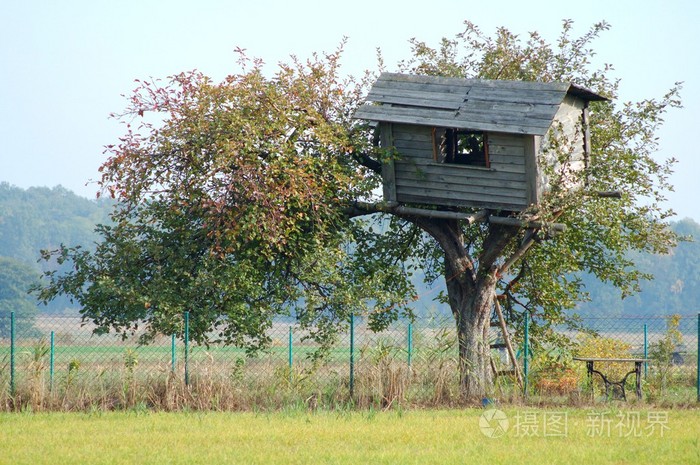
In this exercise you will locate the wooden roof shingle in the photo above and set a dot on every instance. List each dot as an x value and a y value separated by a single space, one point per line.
520 107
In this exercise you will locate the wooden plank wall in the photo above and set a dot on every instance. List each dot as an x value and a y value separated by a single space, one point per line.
420 179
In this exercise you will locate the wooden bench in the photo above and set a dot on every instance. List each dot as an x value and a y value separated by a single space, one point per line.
619 384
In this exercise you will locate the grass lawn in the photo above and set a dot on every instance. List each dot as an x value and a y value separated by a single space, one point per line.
533 435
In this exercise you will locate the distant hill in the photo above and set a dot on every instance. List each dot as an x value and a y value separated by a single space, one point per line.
674 289
43 218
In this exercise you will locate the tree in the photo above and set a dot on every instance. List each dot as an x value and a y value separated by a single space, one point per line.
15 280
234 207
600 234
251 198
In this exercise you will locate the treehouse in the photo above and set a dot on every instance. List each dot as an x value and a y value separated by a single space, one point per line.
471 143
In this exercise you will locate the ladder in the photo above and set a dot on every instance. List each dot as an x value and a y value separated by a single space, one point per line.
506 344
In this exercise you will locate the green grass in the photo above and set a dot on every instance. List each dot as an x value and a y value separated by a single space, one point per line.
342 437
162 353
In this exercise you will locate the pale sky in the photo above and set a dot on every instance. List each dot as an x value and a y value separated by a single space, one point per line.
65 64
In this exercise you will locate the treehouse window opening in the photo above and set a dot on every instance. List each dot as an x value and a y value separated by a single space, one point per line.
464 148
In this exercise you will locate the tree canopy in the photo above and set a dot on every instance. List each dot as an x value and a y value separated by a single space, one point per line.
232 205
248 199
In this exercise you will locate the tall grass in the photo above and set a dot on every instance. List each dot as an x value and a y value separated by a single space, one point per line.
382 380
123 377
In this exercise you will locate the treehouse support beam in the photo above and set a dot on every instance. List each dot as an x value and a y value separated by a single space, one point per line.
363 208
366 208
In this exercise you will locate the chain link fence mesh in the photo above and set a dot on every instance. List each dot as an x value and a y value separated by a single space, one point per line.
59 363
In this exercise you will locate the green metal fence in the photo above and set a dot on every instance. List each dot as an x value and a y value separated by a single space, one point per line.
52 362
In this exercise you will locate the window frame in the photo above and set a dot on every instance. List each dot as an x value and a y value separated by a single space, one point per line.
443 138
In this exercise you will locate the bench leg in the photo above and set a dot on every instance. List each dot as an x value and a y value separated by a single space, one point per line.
613 384
638 370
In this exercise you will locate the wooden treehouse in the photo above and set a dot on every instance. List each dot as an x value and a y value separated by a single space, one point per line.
471 143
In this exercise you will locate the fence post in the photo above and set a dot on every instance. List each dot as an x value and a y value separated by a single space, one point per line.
352 355
698 368
291 354
187 348
173 359
410 343
12 353
526 352
646 351
51 360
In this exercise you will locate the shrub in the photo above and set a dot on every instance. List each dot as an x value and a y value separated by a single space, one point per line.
595 346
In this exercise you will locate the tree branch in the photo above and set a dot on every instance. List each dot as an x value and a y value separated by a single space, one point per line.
459 265
529 241
368 162
513 282
498 238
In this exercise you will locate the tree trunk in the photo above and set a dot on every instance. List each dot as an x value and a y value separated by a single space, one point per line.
470 291
472 319
471 303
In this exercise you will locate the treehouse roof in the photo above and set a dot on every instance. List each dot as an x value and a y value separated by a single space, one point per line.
519 107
